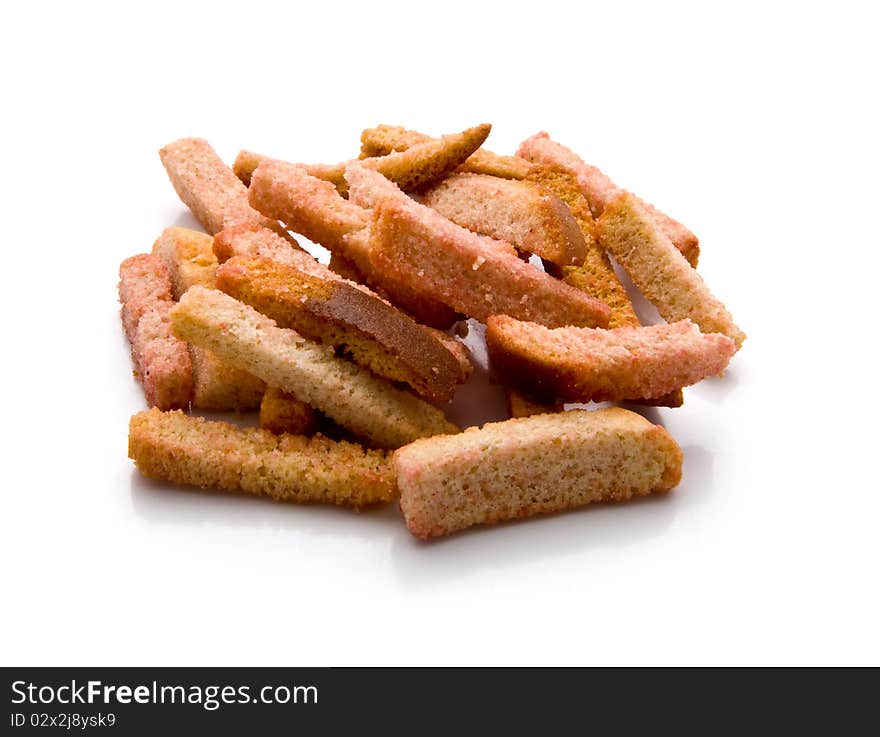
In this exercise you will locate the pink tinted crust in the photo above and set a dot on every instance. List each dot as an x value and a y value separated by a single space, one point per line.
162 362
207 186
473 274
582 365
600 190
306 204
143 280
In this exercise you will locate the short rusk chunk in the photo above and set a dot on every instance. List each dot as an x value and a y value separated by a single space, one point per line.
190 450
369 406
535 465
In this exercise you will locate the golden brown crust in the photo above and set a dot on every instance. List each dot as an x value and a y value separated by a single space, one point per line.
376 335
534 465
659 270
352 396
281 412
190 450
582 365
523 213
385 139
425 163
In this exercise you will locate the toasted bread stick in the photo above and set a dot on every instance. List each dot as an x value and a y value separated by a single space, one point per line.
314 208
385 139
208 187
583 365
659 270
475 275
375 334
217 386
291 468
161 361
281 412
522 213
596 275
351 396
535 465
600 190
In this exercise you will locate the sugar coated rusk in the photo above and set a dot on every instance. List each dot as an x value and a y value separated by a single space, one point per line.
385 139
207 186
534 465
314 208
581 364
470 273
353 397
375 334
284 413
304 203
659 270
190 450
161 361
217 386
523 213
425 163
600 190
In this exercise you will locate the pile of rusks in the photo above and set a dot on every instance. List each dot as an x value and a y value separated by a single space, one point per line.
350 364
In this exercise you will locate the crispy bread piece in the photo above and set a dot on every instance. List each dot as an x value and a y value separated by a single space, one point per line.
425 163
351 396
248 239
190 450
247 162
596 275
535 465
385 139
375 334
659 270
470 273
208 187
161 361
314 208
520 404
522 213
281 412
582 365
217 386
600 190
344 268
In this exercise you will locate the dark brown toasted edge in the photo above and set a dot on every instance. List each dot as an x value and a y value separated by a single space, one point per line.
340 314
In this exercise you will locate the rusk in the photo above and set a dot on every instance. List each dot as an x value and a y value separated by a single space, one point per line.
599 190
350 395
190 450
581 364
659 270
535 465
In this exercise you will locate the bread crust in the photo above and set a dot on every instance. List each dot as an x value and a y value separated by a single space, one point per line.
659 270
523 213
582 365
190 450
534 465
161 361
470 273
599 190
281 412
208 187
350 395
386 139
189 257
376 335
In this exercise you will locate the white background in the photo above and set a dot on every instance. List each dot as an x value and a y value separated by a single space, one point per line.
756 125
